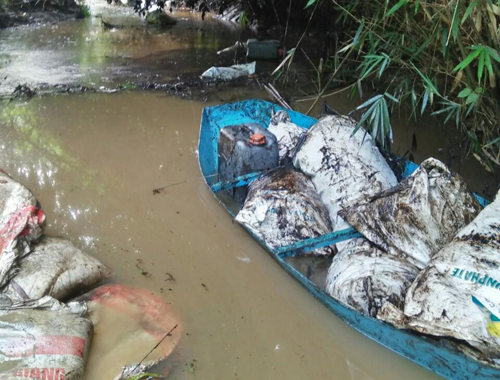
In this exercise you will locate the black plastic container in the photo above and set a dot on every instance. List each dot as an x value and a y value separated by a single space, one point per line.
245 149
270 49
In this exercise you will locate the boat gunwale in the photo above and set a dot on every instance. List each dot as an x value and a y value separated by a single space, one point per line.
438 356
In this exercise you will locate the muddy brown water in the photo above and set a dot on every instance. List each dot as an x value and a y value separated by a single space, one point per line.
93 161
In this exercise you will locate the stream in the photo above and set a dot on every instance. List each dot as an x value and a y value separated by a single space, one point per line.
94 159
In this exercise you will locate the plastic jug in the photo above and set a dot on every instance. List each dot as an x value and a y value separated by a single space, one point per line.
245 149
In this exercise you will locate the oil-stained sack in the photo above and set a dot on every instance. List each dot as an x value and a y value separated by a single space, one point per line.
344 168
129 322
287 133
365 277
458 293
415 219
55 268
282 207
50 341
22 222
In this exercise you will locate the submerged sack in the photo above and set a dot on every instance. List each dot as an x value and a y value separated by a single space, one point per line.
366 278
419 216
55 268
282 207
129 322
44 340
287 134
22 222
458 293
344 168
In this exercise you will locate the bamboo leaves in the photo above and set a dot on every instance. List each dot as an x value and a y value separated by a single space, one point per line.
471 97
372 62
469 10
356 39
437 56
427 81
399 4
376 119
450 109
309 3
484 54
454 22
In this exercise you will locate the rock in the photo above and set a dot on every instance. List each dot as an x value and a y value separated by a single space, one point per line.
160 18
23 91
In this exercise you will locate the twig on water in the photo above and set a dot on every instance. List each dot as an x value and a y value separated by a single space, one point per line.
275 94
154 348
320 95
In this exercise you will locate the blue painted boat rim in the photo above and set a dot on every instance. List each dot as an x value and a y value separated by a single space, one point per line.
437 355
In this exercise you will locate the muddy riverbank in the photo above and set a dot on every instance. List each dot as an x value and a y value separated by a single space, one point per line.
14 13
86 53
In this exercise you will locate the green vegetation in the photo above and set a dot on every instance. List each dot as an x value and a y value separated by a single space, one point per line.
436 56
128 86
191 367
86 11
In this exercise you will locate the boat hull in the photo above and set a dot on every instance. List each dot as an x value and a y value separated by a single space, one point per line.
438 355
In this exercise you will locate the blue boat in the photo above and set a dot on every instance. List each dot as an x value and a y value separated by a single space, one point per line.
438 355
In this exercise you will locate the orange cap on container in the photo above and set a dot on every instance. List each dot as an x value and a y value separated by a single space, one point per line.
257 139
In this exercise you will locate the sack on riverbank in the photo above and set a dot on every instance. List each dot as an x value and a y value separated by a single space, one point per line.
55 268
366 278
458 293
229 73
344 168
128 322
415 219
44 339
282 207
287 134
22 223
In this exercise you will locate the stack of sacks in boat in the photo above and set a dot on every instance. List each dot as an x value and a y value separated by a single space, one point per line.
365 277
408 224
347 168
458 293
40 336
341 167
287 134
344 167
282 207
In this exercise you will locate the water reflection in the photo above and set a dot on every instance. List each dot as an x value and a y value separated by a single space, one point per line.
85 52
37 155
